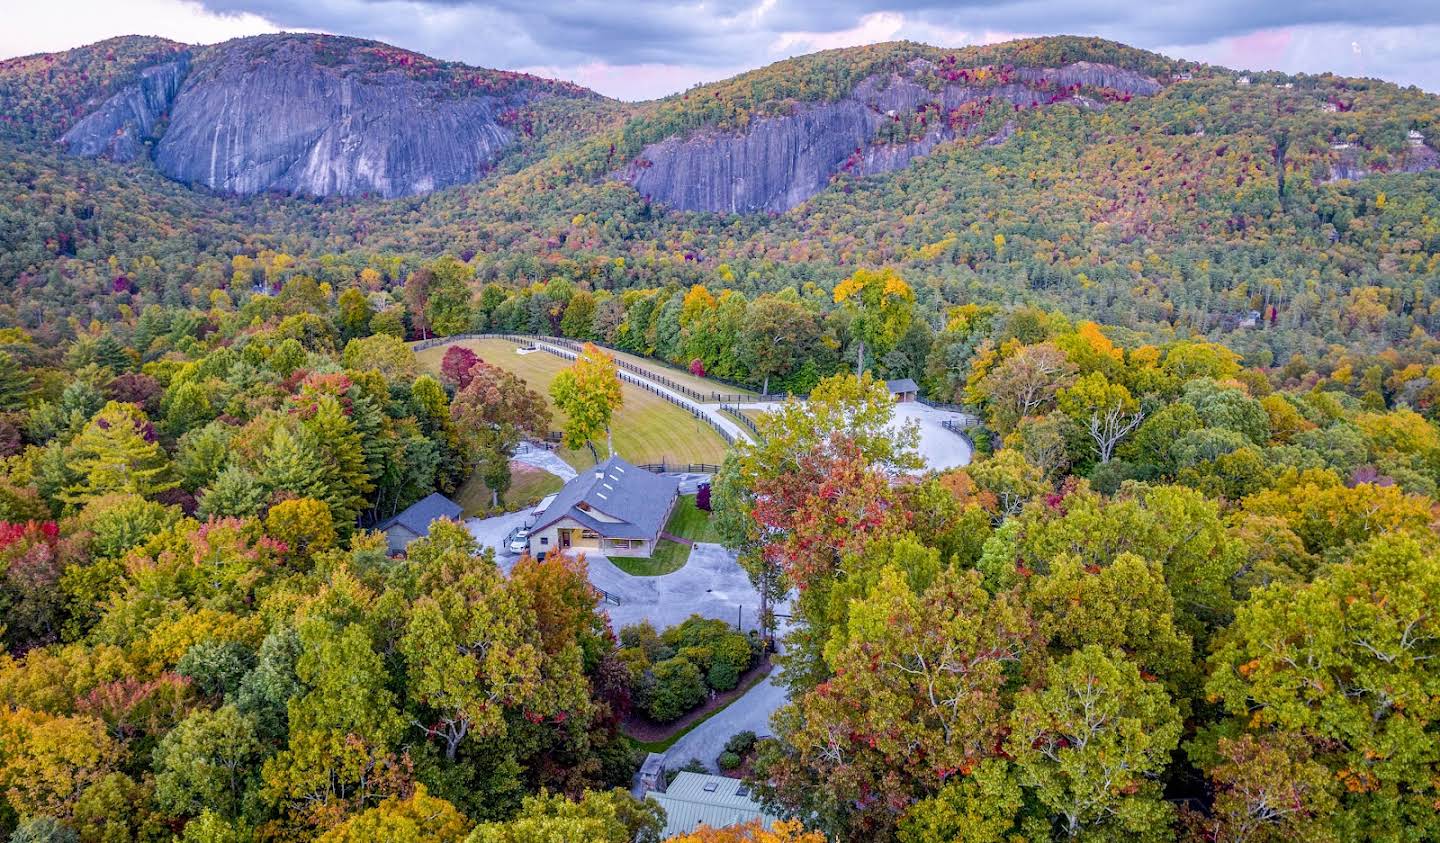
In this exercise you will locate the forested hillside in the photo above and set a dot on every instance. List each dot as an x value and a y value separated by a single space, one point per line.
1188 588
1171 214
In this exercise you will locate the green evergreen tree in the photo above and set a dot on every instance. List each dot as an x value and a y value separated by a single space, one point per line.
117 452
292 463
235 492
16 385
347 476
111 354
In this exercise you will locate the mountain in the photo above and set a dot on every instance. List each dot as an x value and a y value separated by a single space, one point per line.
1073 174
885 121
319 115
314 115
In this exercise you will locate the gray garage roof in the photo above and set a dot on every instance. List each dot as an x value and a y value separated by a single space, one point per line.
417 517
639 499
716 801
902 385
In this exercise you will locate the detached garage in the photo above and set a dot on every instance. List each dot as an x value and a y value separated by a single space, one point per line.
904 390
414 522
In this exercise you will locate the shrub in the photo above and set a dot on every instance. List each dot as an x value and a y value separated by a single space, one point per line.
639 681
728 760
699 656
644 636
741 742
732 657
718 651
695 631
678 688
694 765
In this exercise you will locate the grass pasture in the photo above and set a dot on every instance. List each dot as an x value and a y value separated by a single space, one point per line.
647 428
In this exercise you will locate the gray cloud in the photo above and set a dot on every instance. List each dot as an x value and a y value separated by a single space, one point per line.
650 47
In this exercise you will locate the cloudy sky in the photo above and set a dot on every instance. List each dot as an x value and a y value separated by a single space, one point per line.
638 50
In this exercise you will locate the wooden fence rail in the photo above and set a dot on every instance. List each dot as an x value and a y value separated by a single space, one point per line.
676 468
690 392
739 415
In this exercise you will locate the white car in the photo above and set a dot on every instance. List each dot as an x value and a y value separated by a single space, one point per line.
520 541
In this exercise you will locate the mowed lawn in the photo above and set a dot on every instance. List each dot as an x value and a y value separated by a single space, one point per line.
688 522
647 428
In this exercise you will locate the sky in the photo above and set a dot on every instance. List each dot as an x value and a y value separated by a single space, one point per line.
649 48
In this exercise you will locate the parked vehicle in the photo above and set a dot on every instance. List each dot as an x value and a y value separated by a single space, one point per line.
519 541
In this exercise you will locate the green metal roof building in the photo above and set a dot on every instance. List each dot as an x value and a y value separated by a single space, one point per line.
716 801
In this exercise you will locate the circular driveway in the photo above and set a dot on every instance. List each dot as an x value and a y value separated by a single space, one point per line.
712 584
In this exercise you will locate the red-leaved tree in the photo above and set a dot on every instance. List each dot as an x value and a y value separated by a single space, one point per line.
456 365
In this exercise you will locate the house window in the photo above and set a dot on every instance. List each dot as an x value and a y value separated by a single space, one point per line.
624 544
589 534
544 540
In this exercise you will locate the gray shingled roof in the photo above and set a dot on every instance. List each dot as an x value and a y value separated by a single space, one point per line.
640 500
417 517
903 385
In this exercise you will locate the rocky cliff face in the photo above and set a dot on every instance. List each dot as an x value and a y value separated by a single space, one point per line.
304 115
119 128
780 162
1348 162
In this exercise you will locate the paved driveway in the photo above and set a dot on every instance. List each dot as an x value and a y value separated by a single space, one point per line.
712 584
492 532
544 459
751 712
940 448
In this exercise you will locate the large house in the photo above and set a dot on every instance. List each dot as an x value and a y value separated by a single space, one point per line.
613 508
414 522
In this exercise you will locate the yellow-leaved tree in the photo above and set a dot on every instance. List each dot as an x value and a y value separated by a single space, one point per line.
588 393
881 306
751 832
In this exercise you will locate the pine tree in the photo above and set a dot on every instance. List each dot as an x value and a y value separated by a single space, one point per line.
109 352
235 492
292 463
347 473
16 384
117 452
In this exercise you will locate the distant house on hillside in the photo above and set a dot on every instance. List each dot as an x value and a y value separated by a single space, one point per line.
716 801
614 507
904 390
414 522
